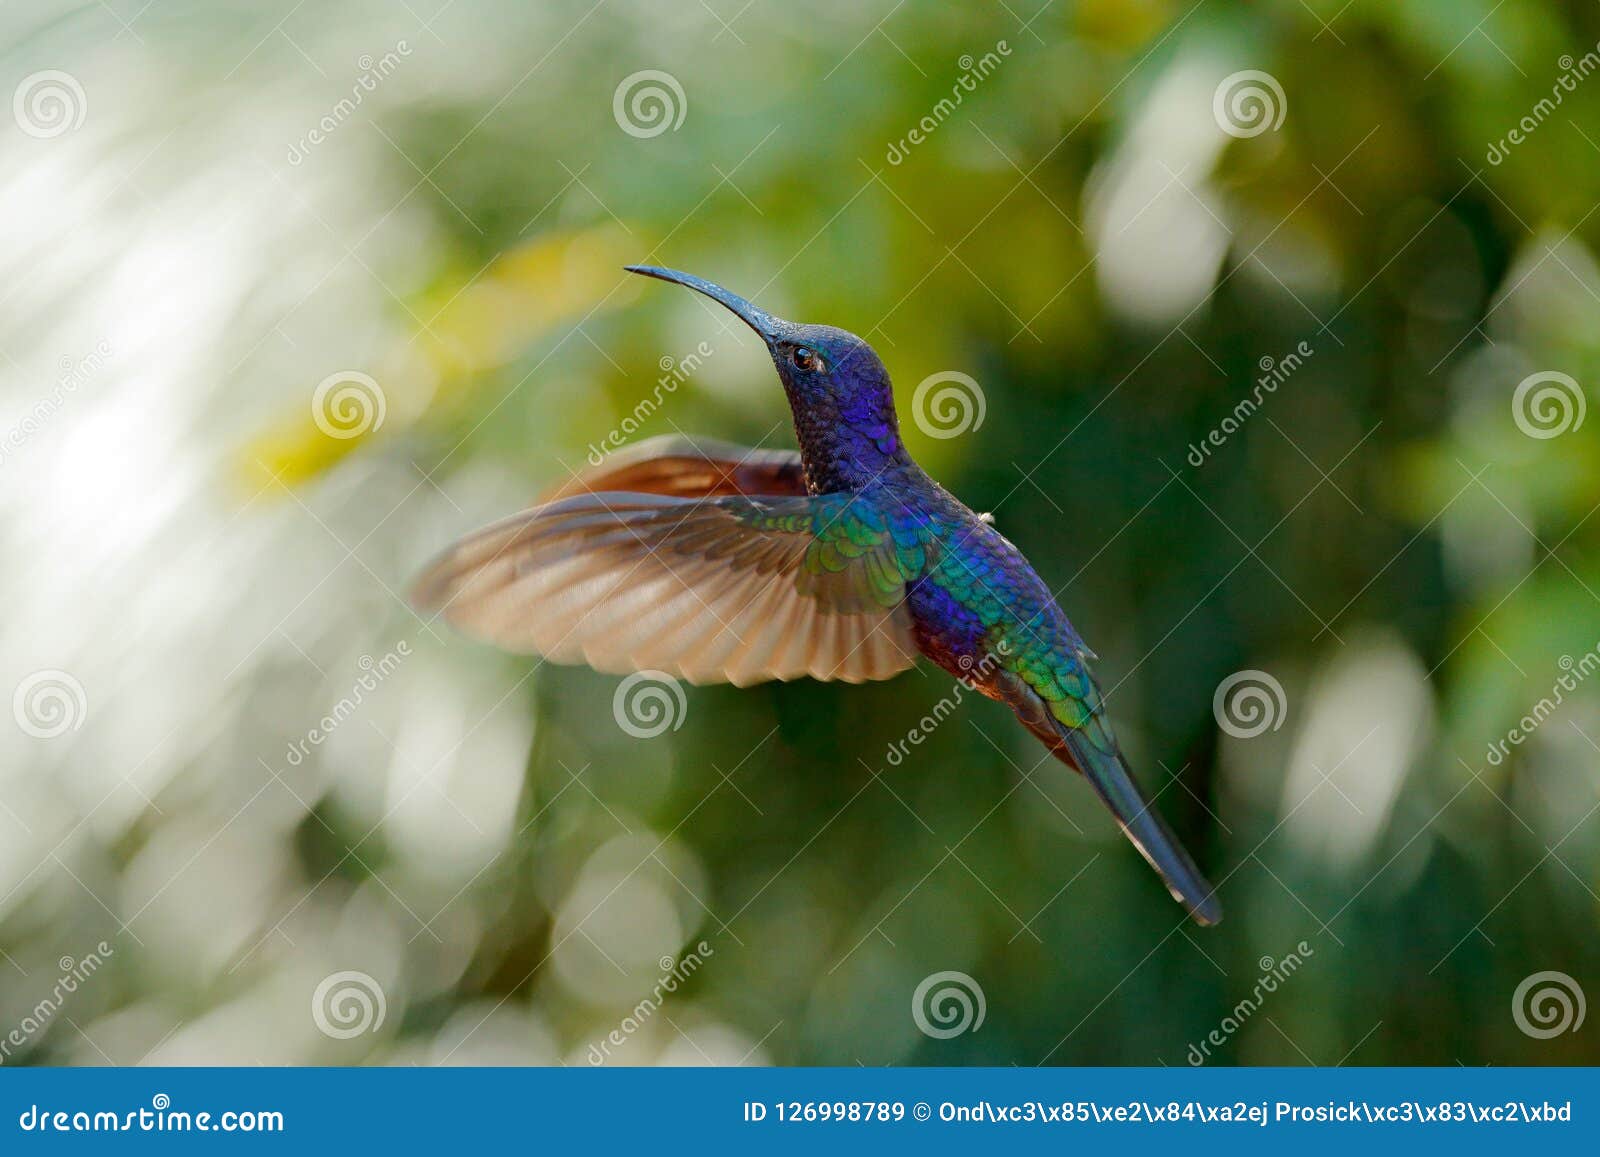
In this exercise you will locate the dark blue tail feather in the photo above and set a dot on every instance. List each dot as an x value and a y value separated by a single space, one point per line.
1108 774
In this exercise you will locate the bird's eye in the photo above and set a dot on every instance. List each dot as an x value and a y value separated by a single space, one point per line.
806 358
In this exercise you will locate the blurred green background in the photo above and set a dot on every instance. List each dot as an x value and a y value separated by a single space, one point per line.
218 213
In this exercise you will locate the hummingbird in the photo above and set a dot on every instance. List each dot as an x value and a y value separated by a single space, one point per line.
845 561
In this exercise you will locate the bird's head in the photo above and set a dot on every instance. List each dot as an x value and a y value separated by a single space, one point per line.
838 388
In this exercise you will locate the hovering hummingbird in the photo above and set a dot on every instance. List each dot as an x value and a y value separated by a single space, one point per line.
715 563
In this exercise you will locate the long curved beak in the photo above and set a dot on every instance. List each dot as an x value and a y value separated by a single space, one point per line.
759 320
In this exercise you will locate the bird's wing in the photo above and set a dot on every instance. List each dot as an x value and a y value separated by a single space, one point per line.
685 467
729 589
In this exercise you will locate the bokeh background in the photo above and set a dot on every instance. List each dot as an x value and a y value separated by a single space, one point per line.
292 294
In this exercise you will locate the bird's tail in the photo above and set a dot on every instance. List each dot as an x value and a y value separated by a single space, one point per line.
1108 774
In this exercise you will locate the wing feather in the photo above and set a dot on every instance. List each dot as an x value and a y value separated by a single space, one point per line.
723 589
684 467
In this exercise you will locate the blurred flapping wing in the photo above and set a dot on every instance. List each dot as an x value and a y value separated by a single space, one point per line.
723 589
685 467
